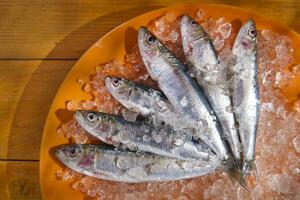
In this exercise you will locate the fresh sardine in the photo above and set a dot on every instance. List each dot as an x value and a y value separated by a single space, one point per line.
141 135
137 97
212 77
108 163
182 92
149 102
246 91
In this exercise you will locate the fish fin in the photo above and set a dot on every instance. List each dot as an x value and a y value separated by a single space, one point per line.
234 172
239 164
235 175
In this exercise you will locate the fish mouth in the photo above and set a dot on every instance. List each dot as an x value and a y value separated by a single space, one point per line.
58 152
247 25
243 30
142 32
250 22
109 79
191 32
186 19
117 89
109 83
79 117
112 82
185 24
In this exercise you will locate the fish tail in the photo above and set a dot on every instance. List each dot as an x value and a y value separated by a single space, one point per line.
239 165
249 167
234 172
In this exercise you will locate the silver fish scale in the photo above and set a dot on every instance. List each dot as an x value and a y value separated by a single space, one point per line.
142 100
147 100
159 140
176 85
133 167
211 75
144 136
246 103
108 163
246 91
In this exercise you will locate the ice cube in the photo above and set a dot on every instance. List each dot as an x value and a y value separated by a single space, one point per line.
257 192
121 163
174 36
157 137
281 112
73 105
267 107
199 16
296 106
225 30
277 78
279 182
80 81
129 115
218 42
183 102
220 21
295 69
296 143
88 105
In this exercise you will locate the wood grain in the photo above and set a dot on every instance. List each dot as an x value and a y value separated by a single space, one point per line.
19 180
64 30
27 89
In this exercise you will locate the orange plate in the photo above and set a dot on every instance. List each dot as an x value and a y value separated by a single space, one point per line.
112 46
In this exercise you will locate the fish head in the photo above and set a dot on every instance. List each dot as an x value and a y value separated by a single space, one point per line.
150 48
192 31
97 123
119 88
76 156
196 43
246 40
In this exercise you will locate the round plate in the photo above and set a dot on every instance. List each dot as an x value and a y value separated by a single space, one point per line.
112 46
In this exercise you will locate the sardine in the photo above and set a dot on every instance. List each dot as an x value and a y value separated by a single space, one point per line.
141 135
182 92
137 97
148 102
212 77
246 91
109 163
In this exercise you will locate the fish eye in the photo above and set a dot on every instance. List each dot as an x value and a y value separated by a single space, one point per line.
252 32
115 82
194 23
150 39
73 151
92 117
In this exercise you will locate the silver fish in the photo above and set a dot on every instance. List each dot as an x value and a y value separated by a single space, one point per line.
136 97
139 99
246 91
182 92
108 163
212 77
141 135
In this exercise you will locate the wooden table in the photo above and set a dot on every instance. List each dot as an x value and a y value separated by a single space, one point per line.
39 43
